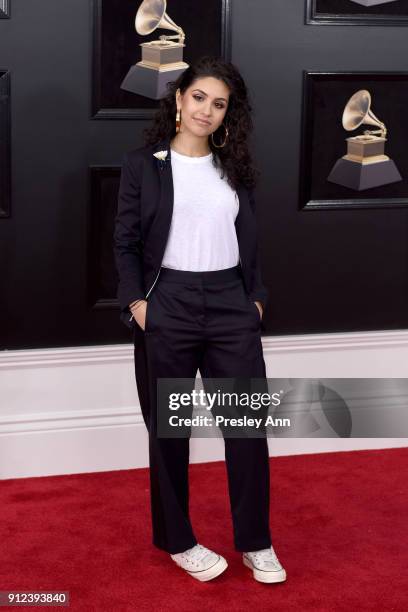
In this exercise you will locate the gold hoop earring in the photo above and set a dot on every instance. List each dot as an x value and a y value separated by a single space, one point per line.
178 120
225 139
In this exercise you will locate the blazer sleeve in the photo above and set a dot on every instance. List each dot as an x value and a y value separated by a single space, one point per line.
127 239
259 291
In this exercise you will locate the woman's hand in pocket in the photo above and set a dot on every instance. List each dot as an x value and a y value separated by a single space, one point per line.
259 306
139 313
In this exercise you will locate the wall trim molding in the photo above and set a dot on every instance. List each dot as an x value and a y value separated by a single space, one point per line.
271 344
351 340
59 421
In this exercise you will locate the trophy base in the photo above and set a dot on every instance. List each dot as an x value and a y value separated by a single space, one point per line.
363 147
358 176
150 82
371 2
157 53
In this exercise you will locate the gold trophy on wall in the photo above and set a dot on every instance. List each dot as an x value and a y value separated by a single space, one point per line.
162 59
365 165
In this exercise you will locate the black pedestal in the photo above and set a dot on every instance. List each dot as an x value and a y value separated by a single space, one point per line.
364 176
149 82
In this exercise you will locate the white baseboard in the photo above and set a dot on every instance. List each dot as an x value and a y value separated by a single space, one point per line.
76 409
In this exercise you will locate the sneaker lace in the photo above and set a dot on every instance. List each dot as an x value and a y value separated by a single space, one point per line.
267 557
197 553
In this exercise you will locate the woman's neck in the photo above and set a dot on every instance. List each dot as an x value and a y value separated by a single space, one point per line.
193 147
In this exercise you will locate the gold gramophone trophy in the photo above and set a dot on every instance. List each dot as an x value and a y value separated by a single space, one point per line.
162 60
372 2
365 164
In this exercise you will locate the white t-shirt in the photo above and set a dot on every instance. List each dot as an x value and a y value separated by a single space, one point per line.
202 233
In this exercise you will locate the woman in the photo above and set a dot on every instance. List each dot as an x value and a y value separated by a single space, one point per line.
190 288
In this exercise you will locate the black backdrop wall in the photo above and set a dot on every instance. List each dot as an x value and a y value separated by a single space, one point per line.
327 270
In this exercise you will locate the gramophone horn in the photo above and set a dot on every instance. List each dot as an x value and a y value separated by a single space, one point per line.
358 111
152 15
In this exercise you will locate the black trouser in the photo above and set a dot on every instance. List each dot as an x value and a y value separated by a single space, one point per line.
205 321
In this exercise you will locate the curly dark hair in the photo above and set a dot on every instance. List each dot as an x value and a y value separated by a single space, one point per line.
234 159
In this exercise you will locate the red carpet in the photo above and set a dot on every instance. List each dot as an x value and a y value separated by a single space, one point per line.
339 526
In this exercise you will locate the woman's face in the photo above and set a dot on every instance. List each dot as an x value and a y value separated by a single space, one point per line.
203 106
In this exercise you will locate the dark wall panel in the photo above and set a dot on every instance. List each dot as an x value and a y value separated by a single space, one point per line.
327 270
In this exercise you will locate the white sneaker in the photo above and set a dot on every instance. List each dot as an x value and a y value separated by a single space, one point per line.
265 565
200 562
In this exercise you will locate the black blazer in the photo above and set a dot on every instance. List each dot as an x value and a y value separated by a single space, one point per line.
142 224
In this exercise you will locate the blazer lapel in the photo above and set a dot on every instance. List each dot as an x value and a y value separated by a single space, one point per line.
243 218
161 225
